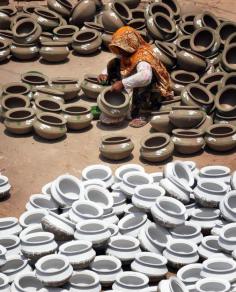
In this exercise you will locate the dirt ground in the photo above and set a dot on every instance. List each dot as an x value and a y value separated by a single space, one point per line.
30 162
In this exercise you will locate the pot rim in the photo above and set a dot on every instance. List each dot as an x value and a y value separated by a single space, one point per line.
10 10
232 132
187 268
5 280
25 20
148 186
54 44
214 216
141 276
167 112
91 204
185 107
12 84
41 261
218 96
13 220
24 45
44 77
172 30
183 24
94 25
224 59
135 20
196 133
131 215
129 17
19 109
171 14
151 254
221 184
132 239
124 104
57 29
124 139
62 123
181 241
196 32
177 72
230 38
212 15
66 4
64 80
6 44
49 235
165 49
200 282
40 11
221 26
75 242
86 272
86 110
18 96
222 260
228 76
93 31
91 78
38 100
173 201
106 258
159 135
206 76
202 88
92 221
50 91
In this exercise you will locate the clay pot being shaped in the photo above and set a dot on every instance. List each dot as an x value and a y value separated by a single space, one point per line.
24 51
189 232
77 117
165 54
45 104
156 147
168 212
173 284
181 78
69 86
26 31
53 270
213 284
179 253
221 137
34 79
160 122
44 201
227 206
85 280
228 60
19 120
188 141
113 104
14 101
4 283
225 30
84 11
65 33
63 7
4 50
91 87
186 116
225 102
26 281
130 281
86 41
54 52
46 18
123 247
84 210
115 147
50 92
206 218
79 253
197 95
206 19
107 268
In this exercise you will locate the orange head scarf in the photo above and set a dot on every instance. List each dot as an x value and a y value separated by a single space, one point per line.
129 40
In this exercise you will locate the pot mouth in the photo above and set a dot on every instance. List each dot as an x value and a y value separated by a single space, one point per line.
3 281
132 221
165 49
187 27
88 209
10 11
28 281
93 25
46 13
10 241
114 99
34 78
231 39
24 45
29 9
13 264
160 7
210 78
16 88
52 264
64 80
176 285
230 79
202 39
75 247
181 248
47 104
155 235
101 172
188 17
138 13
105 264
200 94
205 214
124 243
86 36
171 207
38 238
229 55
65 30
84 279
75 110
4 45
50 91
65 3
186 230
132 279
163 22
51 119
149 192
210 20
224 99
25 27
212 186
92 227
172 4
184 77
212 284
183 43
20 114
137 23
122 10
218 265
14 101
221 130
115 139
187 133
8 222
226 29
155 141
136 178
190 274
211 242
151 260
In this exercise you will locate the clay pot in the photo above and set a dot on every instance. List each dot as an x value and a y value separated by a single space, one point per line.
197 95
19 16
84 11
209 248
187 59
132 3
188 232
6 35
69 86
77 117
161 122
9 226
29 9
53 270
41 202
122 170
34 79
56 126
86 42
130 281
161 27
111 21
171 285
4 50
215 172
206 122
122 11
93 25
214 87
158 7
98 171
138 13
221 119
207 79
65 33
187 28
5 20
131 224
63 7
188 141
227 206
4 283
156 147
190 274
205 41
12 101
165 54
45 104
221 137
24 51
116 147
85 280
46 37
169 104
228 60
4 187
46 18
51 92
183 43
26 281
91 86
54 51
30 218
19 120
181 78
11 243
186 117
225 30
213 284
138 24
113 104
225 102
229 79
26 31
206 19
84 210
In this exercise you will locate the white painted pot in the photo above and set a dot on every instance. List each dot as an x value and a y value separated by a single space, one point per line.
119 202
98 171
66 189
220 268
9 226
172 285
39 201
216 230
228 205
206 218
188 231
122 170
130 281
79 253
107 268
100 196
190 274
145 196
37 245
209 193
4 283
3 252
233 181
85 280
53 270
154 238
227 238
4 187
131 224
215 172
168 212
32 217
62 228
46 189
12 244
14 266
180 253
190 207
157 176
213 284
95 231
26 282
150 264
131 209
114 229
110 218
31 229
133 179
123 247
84 210
210 248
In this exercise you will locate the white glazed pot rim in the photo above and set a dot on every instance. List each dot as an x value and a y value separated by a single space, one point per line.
31 229
121 198
188 268
26 214
94 182
5 280
226 199
181 241
133 167
63 219
209 238
225 170
43 197
82 285
64 246
155 242
141 276
187 223
225 229
3 250
231 262
104 192
155 188
48 237
12 222
137 174
26 275
173 201
213 280
214 215
134 241
87 203
52 257
187 170
3 180
130 217
13 258
177 282
222 185
69 195
105 168
14 238
106 258
80 225
162 259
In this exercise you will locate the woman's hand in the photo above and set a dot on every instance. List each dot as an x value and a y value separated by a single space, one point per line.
117 86
102 78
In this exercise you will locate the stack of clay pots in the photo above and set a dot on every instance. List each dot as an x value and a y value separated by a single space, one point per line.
125 231
44 106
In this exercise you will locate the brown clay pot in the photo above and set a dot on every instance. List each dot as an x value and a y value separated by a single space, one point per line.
174 6
19 16
6 35
138 24
29 9
91 87
165 54
93 25
70 86
24 51
5 20
225 30
26 31
50 126
65 33
84 11
187 59
206 19
115 147
106 39
138 13
34 79
229 79
16 88
11 101
19 120
161 123
187 28
46 18
77 116
214 88
183 43
206 122
156 147
51 92
228 60
86 41
231 39
4 50
46 37
46 104
132 3
63 7
181 78
225 100
221 137
188 141
54 52
158 7
207 79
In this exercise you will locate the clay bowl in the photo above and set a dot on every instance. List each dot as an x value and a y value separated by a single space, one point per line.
229 58
225 100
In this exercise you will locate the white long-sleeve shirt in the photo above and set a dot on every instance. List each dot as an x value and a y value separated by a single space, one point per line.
141 78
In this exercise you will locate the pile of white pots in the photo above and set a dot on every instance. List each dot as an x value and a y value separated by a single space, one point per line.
125 232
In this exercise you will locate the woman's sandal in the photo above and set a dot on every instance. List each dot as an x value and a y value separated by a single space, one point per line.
138 122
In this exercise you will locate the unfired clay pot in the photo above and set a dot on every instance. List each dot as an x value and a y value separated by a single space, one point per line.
54 51
65 33
189 59
26 31
225 30
86 41
83 11
12 101
165 54
91 86
4 50
49 92
24 51
181 78
225 102
45 104
68 85
46 18
161 122
63 7
116 147
34 79
207 19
